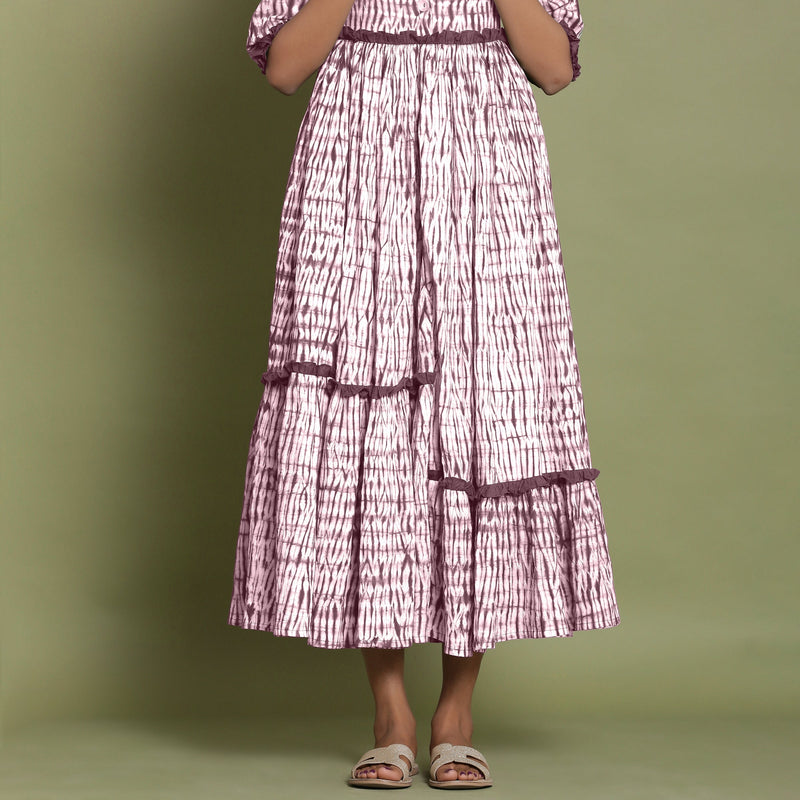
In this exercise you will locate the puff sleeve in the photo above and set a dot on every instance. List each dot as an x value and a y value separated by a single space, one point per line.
268 18
568 14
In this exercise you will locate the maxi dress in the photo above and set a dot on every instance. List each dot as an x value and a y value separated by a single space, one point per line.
419 467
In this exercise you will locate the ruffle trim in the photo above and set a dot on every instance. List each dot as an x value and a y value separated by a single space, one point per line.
259 42
574 41
565 476
281 375
469 36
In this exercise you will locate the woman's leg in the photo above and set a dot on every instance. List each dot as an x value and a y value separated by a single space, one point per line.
452 720
394 721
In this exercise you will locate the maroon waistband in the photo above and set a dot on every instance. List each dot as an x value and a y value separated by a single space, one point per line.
412 37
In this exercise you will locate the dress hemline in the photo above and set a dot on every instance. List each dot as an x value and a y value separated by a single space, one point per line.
562 632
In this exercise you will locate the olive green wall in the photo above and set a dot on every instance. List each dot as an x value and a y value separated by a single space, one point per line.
144 160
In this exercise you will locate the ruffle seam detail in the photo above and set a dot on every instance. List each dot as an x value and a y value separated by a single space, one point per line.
469 36
574 42
281 375
564 476
260 41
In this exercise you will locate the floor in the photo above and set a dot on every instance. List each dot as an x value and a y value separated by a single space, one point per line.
554 758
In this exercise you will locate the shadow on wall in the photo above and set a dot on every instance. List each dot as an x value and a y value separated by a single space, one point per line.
190 151
205 161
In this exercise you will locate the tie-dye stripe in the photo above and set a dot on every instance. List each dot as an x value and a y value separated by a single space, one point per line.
419 466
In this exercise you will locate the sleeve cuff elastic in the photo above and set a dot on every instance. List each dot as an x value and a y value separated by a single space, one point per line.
574 42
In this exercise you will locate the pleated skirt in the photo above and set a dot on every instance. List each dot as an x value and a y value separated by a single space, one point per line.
419 466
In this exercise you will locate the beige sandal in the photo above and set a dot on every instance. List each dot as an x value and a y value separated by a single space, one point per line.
464 754
390 754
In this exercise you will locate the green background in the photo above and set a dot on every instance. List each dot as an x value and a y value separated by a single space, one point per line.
144 160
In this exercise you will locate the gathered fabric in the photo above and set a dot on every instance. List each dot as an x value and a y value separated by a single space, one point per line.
419 467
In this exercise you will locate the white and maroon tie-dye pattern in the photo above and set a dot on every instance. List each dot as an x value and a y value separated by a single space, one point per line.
419 466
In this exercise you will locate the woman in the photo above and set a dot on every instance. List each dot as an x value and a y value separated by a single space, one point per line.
419 467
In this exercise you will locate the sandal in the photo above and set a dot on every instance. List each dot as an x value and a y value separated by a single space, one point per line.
390 754
464 754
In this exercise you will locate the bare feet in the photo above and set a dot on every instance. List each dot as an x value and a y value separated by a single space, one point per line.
395 731
455 728
394 720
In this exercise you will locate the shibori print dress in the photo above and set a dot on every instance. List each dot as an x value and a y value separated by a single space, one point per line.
419 467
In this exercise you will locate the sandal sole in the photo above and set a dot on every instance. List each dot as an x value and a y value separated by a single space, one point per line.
460 784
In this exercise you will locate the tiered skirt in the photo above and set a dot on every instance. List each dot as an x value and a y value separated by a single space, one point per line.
419 466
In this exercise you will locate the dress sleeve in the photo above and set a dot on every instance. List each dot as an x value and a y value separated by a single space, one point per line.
268 18
568 14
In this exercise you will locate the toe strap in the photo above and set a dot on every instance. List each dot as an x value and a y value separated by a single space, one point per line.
463 753
390 754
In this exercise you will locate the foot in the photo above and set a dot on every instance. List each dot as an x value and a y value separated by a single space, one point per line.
454 728
397 731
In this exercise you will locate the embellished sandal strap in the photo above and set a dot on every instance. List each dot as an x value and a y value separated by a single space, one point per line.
390 754
462 753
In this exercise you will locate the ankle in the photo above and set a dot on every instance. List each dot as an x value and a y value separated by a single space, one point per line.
452 722
394 721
